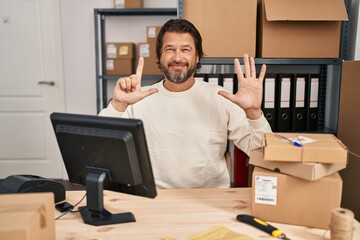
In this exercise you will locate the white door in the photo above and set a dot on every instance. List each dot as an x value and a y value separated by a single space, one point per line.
31 87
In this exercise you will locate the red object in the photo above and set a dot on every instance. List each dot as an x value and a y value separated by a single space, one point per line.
241 168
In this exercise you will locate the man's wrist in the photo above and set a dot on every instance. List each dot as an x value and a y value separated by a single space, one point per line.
118 106
253 114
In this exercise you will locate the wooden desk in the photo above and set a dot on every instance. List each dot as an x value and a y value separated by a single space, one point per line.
177 213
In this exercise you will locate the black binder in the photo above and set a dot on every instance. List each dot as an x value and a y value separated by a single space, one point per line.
214 78
268 103
312 100
298 103
283 99
202 77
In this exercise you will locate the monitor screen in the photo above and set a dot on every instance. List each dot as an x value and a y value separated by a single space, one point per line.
104 153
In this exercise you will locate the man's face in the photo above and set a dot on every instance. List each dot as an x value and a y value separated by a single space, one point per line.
178 58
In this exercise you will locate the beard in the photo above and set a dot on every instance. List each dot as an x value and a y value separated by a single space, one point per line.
177 76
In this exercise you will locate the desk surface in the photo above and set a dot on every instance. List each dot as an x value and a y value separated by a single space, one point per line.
176 213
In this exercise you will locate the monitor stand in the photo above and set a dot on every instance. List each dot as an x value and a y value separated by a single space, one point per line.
95 213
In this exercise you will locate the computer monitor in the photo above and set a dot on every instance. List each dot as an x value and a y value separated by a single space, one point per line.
104 153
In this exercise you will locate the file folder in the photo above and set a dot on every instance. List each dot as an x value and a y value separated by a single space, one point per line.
228 81
214 79
283 116
298 103
268 104
312 102
201 77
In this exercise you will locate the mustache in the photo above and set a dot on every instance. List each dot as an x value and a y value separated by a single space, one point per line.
177 63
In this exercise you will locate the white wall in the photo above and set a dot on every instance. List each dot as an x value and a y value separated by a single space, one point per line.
77 23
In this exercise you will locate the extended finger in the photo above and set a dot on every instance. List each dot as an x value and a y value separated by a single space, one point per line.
252 67
238 69
139 69
262 74
246 65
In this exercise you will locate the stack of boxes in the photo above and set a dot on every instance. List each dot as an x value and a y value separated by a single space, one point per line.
147 50
120 58
298 185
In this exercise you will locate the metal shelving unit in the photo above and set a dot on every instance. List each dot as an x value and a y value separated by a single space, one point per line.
100 44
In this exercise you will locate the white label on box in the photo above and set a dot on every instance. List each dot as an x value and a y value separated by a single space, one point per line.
111 51
119 3
229 84
265 190
109 64
144 50
152 32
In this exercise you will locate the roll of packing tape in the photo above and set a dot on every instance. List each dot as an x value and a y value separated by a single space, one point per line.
342 224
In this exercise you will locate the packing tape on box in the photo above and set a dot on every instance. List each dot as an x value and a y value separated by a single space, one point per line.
341 224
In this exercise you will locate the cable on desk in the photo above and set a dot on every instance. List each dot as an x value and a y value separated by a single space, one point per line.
71 210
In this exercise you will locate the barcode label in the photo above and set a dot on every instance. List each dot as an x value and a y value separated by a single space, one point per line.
265 190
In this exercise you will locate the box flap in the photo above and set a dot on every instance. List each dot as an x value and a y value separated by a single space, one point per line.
305 10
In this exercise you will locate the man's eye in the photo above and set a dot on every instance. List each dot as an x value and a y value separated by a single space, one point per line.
186 50
169 49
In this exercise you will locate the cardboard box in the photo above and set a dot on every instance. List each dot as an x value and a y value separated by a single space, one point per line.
307 171
119 66
148 51
120 50
228 27
326 148
349 133
300 29
27 216
151 33
128 3
277 197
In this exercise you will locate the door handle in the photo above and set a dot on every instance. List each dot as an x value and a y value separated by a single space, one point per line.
51 83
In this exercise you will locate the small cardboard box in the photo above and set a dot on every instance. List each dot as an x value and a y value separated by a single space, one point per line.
307 171
151 33
277 197
300 28
120 66
228 27
148 52
27 216
120 50
325 148
128 3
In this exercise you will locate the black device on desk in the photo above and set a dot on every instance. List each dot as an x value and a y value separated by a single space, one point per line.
32 184
104 153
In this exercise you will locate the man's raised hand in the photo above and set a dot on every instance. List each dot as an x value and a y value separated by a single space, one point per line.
249 94
128 91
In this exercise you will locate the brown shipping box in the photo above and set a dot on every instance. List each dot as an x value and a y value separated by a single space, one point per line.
120 66
151 34
300 28
349 134
120 50
27 216
325 148
128 3
228 27
277 197
148 52
307 171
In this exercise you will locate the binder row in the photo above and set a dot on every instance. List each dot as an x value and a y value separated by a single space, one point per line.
290 101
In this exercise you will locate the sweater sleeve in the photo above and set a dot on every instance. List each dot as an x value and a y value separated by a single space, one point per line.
110 111
247 134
